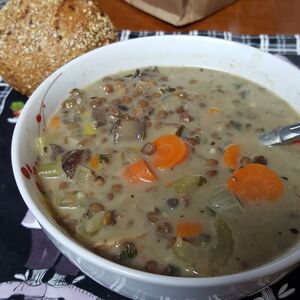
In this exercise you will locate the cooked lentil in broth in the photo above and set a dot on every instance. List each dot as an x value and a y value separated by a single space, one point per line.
160 169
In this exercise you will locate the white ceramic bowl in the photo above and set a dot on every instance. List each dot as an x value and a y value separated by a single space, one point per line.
271 72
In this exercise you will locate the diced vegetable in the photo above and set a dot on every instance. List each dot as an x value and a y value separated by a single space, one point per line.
222 251
90 226
126 130
95 162
41 144
188 184
170 102
88 128
70 200
232 155
139 172
186 230
84 174
49 170
131 155
104 158
55 122
256 182
194 257
170 151
214 109
223 201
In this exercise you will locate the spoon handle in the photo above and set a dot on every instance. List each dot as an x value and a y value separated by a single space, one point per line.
290 133
282 135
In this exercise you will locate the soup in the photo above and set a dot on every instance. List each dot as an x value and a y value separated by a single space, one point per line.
160 169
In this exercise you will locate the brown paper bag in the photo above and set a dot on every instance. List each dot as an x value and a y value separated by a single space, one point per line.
179 12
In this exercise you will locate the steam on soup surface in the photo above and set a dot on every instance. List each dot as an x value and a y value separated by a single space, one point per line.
160 169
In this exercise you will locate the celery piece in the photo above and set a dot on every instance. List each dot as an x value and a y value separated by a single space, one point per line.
87 124
90 226
84 174
49 170
188 184
88 128
185 252
71 200
222 251
194 257
40 145
222 201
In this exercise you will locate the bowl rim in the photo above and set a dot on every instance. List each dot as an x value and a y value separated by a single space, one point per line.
269 268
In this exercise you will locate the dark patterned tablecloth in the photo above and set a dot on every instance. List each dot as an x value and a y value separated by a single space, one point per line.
30 266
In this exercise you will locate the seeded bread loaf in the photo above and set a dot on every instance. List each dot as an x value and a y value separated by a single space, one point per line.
37 37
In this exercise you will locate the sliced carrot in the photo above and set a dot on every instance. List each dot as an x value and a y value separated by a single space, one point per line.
170 151
214 109
95 162
55 122
256 182
139 172
186 230
231 156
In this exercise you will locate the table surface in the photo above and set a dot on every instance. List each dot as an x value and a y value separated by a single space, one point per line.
243 17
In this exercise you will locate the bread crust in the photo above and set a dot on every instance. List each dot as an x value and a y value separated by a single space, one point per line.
37 37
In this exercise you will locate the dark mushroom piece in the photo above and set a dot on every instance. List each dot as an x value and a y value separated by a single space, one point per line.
71 159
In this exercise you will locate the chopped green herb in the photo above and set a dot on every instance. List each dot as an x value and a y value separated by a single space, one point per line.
104 158
128 251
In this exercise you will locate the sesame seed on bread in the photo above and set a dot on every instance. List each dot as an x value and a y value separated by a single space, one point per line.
37 37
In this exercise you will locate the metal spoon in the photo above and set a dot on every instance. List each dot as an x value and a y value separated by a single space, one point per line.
281 135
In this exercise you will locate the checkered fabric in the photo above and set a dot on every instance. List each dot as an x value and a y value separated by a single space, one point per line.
275 44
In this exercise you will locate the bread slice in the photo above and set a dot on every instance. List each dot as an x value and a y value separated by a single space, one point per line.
37 37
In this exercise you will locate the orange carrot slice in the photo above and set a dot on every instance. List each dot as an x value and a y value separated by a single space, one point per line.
139 172
95 162
231 156
256 182
55 122
170 151
186 230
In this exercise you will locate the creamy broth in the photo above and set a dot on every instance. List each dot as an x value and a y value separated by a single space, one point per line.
117 189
